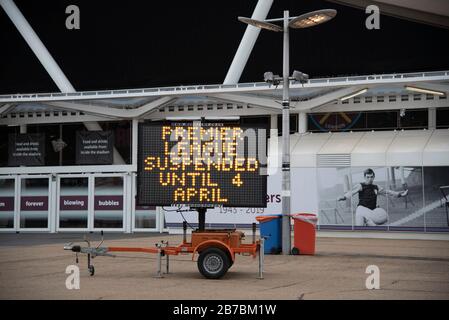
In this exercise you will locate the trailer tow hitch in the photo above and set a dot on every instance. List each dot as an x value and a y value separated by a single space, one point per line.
91 252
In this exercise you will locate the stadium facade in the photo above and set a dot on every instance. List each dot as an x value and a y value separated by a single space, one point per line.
69 160
402 135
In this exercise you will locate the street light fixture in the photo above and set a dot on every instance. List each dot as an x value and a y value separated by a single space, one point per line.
303 21
260 24
312 19
423 90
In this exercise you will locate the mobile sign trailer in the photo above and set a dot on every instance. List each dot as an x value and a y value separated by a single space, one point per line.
200 165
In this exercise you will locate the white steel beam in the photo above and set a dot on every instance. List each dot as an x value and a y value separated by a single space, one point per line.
48 117
68 169
37 46
112 112
253 100
324 99
247 44
350 106
5 108
45 58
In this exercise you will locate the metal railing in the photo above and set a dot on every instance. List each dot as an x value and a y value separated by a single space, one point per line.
217 88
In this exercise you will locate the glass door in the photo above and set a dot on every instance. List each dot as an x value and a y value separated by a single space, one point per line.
34 202
7 203
73 203
108 203
144 218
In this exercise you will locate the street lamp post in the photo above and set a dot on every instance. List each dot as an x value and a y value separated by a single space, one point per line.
286 176
304 21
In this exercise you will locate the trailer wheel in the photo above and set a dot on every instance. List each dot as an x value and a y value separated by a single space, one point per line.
295 251
231 263
91 270
213 263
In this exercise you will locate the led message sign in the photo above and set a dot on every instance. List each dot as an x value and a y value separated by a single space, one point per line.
201 164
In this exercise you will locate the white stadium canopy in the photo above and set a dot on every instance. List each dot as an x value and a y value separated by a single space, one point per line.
362 149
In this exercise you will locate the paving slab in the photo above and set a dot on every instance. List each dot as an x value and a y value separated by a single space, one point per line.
32 266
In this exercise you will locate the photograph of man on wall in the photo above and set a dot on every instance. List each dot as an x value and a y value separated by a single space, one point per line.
367 212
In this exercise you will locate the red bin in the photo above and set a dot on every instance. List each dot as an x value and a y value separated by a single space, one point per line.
304 233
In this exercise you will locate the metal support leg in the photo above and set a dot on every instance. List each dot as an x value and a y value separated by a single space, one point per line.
90 266
254 232
167 262
261 257
201 218
159 262
184 231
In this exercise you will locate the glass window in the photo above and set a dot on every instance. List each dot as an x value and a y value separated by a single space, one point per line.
7 187
368 120
108 203
4 133
60 140
122 137
387 120
73 202
293 123
145 217
257 121
436 195
352 121
332 183
347 121
34 203
69 137
442 117
322 122
406 212
414 119
52 132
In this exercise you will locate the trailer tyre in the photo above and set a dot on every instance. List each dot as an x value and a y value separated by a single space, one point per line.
230 261
213 263
91 270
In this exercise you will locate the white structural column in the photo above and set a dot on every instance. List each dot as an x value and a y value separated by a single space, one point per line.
37 46
247 43
46 59
273 159
274 122
52 204
302 122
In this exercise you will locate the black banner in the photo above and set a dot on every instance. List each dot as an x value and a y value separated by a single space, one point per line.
94 147
26 149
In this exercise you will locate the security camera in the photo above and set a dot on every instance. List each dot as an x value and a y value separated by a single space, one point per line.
300 76
271 78
268 76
